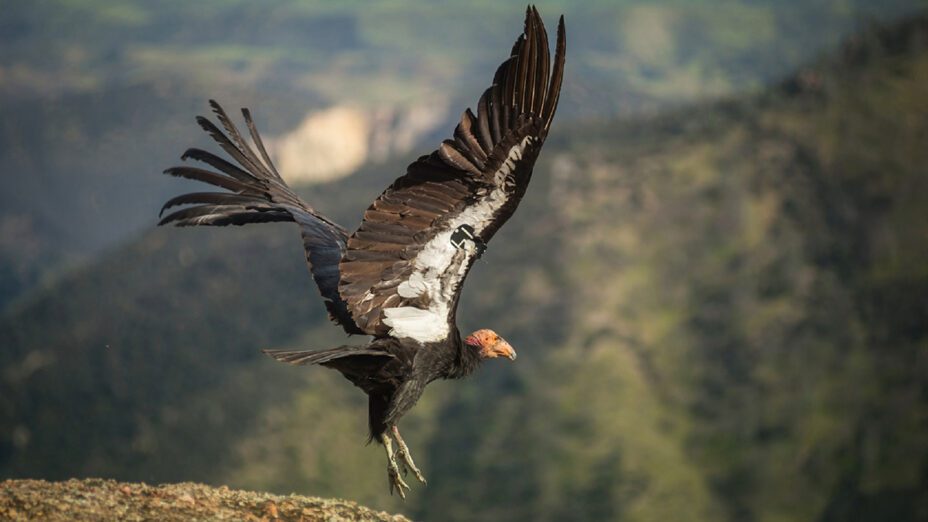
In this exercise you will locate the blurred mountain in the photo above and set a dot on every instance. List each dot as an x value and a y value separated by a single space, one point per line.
387 53
78 182
97 96
720 309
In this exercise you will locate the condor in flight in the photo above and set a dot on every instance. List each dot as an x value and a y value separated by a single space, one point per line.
398 277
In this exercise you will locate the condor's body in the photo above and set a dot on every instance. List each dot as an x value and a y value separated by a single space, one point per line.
398 277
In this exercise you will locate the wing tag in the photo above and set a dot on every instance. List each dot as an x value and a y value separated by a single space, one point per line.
465 233
461 235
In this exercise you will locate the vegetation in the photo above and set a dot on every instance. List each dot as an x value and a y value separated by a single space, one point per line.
720 313
98 95
647 51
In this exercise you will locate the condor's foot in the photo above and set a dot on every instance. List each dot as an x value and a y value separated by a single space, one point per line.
393 471
406 456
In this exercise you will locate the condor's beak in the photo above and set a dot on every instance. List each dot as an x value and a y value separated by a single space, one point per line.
504 349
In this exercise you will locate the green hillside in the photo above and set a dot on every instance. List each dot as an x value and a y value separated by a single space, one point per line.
97 95
656 51
720 313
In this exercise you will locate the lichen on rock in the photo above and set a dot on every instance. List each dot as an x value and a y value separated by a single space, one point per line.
99 499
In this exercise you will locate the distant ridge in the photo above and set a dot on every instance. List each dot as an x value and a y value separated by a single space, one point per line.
731 300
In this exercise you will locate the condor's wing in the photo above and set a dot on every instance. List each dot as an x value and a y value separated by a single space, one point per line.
403 269
255 193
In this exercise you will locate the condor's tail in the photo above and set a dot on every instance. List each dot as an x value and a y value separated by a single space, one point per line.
255 193
304 357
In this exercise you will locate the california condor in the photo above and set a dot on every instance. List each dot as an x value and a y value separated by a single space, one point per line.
398 277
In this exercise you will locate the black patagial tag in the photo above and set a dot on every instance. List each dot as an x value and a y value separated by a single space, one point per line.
461 235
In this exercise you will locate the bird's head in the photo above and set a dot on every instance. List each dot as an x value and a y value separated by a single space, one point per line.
490 345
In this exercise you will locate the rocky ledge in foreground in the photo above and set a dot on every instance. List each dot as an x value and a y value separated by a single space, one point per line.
98 499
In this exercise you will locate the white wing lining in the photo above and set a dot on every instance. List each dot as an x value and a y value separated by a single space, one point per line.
440 267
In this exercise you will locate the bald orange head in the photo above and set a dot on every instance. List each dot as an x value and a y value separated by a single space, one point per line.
490 344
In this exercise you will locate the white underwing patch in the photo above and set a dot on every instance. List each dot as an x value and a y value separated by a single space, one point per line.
416 323
412 287
440 267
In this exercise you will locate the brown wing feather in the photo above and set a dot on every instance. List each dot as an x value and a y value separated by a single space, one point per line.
258 195
437 188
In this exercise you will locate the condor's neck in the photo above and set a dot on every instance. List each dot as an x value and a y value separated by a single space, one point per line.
466 361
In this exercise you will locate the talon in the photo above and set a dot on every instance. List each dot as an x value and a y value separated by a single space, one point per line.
393 472
396 482
409 464
406 457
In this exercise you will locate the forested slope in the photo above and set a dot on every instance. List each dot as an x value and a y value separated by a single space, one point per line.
720 313
98 94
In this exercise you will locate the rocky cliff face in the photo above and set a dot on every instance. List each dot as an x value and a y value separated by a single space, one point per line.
334 142
98 499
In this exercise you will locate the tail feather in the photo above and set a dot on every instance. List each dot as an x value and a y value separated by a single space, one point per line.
303 357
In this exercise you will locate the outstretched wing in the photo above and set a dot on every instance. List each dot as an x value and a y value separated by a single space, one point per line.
404 266
257 194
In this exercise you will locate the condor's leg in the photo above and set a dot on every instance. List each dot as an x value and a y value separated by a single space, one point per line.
403 398
404 454
393 471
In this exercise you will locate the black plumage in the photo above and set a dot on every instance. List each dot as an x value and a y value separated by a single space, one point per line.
398 277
